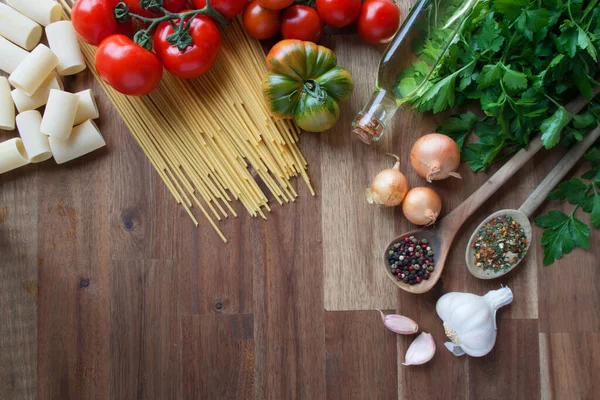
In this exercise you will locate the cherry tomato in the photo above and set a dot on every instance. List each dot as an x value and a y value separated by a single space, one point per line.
170 5
260 23
127 66
229 8
94 20
379 21
302 23
196 58
276 4
338 13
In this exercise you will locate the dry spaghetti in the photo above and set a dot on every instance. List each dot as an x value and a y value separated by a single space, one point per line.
204 136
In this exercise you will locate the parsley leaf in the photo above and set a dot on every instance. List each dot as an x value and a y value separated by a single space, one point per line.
489 37
458 127
573 190
584 42
553 126
511 8
562 234
489 75
514 79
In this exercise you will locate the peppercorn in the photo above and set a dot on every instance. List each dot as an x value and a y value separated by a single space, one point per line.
411 260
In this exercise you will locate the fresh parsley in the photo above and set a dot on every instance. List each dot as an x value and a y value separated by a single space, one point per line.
564 232
522 61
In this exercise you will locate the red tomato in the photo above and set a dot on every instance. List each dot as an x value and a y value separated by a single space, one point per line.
196 58
94 20
379 21
127 66
276 4
260 23
229 8
170 5
338 13
302 23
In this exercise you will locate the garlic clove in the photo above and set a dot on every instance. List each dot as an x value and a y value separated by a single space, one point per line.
399 324
421 350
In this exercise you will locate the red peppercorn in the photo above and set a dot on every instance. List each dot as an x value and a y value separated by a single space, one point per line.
411 268
427 262
427 272
418 279
411 254
406 240
423 246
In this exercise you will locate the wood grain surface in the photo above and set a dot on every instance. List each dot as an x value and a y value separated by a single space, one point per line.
108 291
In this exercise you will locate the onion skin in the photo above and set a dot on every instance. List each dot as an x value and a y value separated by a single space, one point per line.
435 157
422 206
388 187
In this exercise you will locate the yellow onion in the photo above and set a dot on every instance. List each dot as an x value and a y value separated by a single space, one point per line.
388 187
422 206
435 157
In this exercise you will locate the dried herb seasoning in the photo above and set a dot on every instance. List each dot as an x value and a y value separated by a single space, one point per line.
500 243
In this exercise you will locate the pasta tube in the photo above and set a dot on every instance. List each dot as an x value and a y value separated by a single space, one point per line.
18 28
59 114
34 70
86 108
11 55
12 155
36 144
40 97
7 108
63 42
84 139
44 12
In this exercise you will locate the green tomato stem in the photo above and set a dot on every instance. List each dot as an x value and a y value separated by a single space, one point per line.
122 13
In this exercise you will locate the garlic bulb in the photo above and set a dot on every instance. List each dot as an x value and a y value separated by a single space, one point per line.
470 320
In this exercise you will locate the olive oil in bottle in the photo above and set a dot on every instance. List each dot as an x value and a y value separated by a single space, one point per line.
410 61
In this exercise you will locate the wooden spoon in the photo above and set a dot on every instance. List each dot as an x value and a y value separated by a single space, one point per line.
442 235
532 203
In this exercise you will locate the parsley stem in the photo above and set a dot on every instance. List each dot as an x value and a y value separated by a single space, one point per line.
574 210
589 8
553 101
506 50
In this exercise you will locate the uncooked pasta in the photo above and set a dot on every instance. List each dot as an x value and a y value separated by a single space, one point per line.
209 137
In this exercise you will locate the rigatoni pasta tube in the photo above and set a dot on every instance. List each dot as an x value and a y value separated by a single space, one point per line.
12 155
34 70
19 29
62 39
11 55
84 139
40 97
59 114
44 12
86 108
36 144
7 108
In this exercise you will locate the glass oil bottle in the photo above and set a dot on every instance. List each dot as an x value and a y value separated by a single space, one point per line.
421 42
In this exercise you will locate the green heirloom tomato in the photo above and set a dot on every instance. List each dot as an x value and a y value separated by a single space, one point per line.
305 83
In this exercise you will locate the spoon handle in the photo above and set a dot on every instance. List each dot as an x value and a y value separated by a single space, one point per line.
558 173
452 222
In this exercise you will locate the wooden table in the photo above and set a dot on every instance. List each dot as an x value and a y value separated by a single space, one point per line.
107 290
